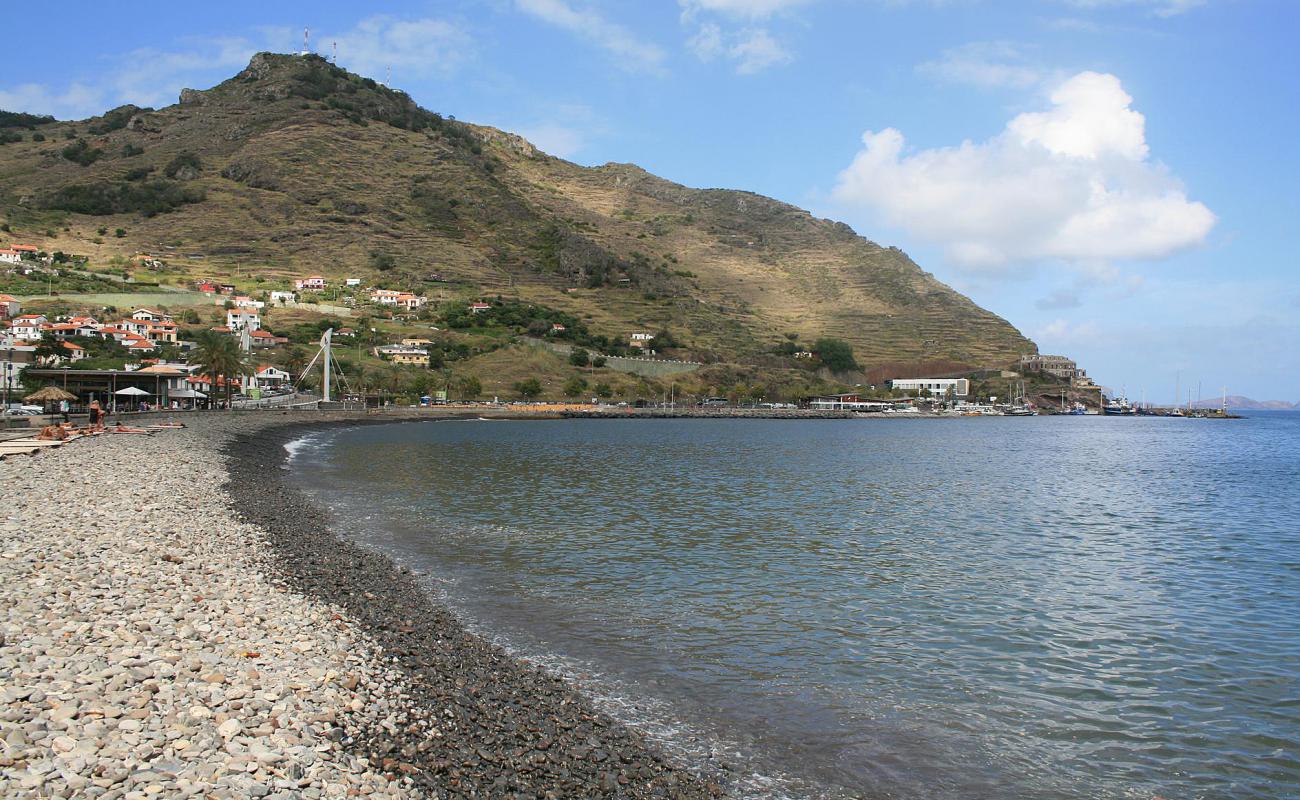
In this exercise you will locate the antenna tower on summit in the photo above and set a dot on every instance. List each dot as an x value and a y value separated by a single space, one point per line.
306 46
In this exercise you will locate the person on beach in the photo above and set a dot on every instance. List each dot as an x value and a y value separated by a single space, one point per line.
64 408
96 415
52 433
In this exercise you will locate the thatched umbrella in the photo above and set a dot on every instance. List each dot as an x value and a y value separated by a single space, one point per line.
50 394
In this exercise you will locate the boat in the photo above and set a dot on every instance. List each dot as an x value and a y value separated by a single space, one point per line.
1119 407
1019 411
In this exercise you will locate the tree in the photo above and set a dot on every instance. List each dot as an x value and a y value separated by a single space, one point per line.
663 340
218 356
579 357
598 362
469 387
574 386
529 389
603 390
836 354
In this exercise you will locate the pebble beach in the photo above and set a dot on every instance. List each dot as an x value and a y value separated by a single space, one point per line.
178 621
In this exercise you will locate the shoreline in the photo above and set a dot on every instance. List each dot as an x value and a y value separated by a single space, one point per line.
201 632
474 719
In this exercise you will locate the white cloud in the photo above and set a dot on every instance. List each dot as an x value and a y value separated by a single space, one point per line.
1161 8
745 9
588 24
986 65
558 140
1071 183
750 51
413 48
74 102
154 76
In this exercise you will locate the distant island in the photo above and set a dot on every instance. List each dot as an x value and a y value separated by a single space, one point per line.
1247 404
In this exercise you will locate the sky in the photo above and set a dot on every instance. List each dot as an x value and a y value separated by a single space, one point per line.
1117 178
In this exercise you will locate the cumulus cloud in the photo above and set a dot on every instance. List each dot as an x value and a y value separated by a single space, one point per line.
75 101
1073 182
632 51
986 65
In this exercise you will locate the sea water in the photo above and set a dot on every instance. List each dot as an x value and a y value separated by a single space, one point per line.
1054 607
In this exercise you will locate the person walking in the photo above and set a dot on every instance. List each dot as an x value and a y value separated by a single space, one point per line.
64 408
96 415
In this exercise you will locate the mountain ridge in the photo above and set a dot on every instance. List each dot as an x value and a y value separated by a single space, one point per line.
294 165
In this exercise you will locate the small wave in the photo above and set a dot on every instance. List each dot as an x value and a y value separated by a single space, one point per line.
297 446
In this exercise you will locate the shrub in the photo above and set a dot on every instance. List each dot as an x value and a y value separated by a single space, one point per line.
836 354
129 150
82 153
9 136
137 174
38 137
382 261
99 199
579 357
529 389
120 233
183 165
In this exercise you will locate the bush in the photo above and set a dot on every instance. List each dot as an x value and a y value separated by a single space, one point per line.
574 386
382 261
9 136
529 389
38 137
82 153
137 174
99 199
129 150
183 165
836 354
579 357
120 233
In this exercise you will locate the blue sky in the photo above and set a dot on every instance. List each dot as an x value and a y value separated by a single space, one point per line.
1115 177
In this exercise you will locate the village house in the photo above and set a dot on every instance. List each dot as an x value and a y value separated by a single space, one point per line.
804 354
349 332
243 301
402 354
10 256
262 339
417 342
13 359
207 287
27 326
315 283
238 319
149 315
641 340
226 288
284 298
557 328
352 282
161 332
272 377
73 353
478 308
384 297
26 250
9 307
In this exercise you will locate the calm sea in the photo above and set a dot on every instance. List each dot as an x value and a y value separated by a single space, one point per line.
1057 607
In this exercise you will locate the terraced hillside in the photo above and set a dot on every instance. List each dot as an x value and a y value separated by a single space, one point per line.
296 166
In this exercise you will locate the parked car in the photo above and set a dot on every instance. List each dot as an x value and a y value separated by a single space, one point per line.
23 411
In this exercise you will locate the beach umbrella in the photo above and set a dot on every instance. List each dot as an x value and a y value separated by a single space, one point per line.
131 391
50 394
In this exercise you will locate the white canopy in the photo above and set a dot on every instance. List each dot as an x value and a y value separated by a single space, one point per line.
132 392
186 394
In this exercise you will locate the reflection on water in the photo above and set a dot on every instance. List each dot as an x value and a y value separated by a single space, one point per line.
1051 607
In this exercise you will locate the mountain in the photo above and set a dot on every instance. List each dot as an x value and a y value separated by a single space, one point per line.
1236 401
295 166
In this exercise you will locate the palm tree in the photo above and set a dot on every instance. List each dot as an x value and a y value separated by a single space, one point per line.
218 356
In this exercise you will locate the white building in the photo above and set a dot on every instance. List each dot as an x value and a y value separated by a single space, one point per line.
238 319
149 315
936 387
284 298
352 282
27 326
